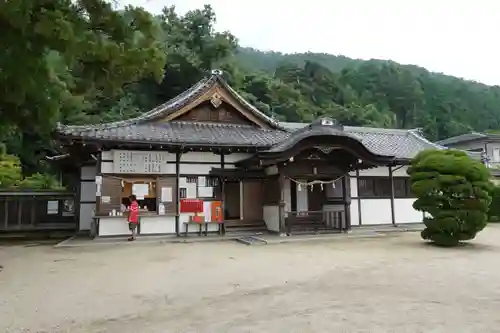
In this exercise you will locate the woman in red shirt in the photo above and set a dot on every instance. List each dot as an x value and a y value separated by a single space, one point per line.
133 216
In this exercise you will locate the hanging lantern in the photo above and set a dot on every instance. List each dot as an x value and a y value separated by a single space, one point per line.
321 186
333 184
299 187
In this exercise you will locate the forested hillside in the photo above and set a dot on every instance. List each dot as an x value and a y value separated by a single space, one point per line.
78 63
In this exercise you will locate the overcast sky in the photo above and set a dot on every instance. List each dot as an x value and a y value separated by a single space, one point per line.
454 37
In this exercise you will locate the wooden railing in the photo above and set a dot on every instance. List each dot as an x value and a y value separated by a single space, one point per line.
315 220
37 210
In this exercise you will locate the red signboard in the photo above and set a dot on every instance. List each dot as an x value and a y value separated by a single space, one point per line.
191 206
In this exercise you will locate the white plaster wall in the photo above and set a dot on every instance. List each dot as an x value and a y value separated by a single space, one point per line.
205 157
402 172
405 213
286 195
196 169
376 211
354 213
87 211
380 171
235 157
160 224
353 187
302 202
271 217
113 226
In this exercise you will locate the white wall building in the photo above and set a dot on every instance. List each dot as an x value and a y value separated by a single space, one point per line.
208 160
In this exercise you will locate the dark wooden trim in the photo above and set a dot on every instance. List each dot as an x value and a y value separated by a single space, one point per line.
177 205
223 194
87 180
393 209
6 213
87 202
109 161
281 207
157 145
359 199
78 199
200 162
388 196
347 204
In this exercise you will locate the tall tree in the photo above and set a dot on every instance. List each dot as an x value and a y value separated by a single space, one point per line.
60 55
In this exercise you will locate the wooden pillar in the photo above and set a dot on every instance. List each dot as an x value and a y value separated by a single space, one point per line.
281 209
359 198
6 213
33 211
223 195
19 211
242 202
178 191
347 204
393 214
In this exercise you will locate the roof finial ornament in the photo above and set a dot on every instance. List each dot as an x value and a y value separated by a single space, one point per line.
217 72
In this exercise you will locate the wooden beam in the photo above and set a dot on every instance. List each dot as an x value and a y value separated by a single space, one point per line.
393 213
177 187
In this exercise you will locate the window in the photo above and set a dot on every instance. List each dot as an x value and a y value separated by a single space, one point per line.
202 187
380 187
211 181
192 180
115 192
374 187
402 188
144 190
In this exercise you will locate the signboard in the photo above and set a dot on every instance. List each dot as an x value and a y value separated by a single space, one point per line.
142 162
191 206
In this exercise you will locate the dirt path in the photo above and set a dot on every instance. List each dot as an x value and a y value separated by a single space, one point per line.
392 284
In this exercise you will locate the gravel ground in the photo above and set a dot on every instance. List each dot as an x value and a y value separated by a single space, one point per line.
384 284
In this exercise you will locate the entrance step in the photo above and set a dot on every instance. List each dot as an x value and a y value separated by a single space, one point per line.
237 225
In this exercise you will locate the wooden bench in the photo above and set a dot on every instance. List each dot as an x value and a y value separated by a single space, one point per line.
221 230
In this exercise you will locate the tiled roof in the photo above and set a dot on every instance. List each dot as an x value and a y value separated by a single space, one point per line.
462 138
178 102
400 143
183 132
403 144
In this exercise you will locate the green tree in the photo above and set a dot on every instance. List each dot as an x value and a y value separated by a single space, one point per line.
59 56
10 169
453 191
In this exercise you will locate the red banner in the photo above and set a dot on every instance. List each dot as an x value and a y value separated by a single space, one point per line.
191 206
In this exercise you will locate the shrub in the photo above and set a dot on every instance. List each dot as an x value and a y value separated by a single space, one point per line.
454 192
